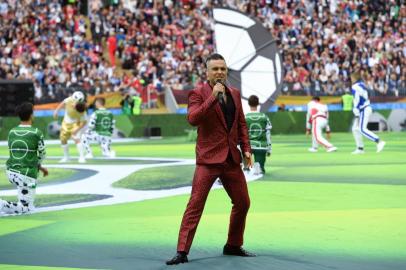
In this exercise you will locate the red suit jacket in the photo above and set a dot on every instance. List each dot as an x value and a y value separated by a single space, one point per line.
214 141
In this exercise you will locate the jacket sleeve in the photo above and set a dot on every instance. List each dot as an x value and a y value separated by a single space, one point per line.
41 148
268 135
92 121
113 125
242 129
198 108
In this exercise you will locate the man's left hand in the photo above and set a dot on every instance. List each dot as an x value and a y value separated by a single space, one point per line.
248 160
43 170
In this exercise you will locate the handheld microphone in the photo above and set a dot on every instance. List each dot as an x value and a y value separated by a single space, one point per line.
220 95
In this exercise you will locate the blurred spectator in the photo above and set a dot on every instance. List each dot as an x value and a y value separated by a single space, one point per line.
347 100
127 104
282 108
112 47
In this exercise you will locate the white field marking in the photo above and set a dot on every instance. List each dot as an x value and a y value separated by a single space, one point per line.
101 183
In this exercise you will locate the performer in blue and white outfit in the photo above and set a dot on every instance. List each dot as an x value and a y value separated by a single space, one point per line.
362 111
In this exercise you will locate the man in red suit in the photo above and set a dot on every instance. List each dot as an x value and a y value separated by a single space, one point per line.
217 112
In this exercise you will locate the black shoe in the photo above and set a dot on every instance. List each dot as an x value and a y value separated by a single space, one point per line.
237 251
180 257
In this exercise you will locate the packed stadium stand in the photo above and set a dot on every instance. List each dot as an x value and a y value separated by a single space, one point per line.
144 47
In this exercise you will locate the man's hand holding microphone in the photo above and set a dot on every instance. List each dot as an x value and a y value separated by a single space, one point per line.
219 90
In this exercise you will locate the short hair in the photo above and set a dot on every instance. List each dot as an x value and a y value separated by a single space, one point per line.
316 98
253 101
355 76
101 100
25 110
214 56
80 106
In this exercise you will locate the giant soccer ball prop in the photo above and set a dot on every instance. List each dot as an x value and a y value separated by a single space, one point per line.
251 54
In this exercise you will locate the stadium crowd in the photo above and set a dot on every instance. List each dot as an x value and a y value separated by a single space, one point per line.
323 42
144 46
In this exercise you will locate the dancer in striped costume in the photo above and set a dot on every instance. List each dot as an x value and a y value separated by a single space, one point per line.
362 111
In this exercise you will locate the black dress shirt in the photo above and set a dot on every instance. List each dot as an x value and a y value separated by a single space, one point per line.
228 110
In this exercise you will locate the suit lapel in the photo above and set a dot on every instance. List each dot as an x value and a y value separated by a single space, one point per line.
220 114
237 107
208 90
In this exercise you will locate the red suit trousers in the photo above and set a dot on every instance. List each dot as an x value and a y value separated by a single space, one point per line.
234 183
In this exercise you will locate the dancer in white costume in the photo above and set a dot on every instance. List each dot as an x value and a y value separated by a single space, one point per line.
317 121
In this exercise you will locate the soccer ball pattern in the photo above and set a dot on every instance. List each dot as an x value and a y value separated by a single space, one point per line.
78 96
251 53
53 129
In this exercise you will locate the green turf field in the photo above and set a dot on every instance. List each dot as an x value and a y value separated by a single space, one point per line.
310 211
158 178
